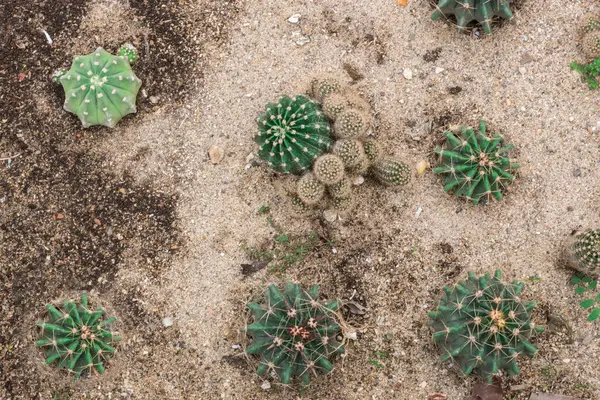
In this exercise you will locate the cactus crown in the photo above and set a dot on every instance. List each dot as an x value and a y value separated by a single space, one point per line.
482 325
292 133
586 249
100 88
481 11
77 338
476 166
294 333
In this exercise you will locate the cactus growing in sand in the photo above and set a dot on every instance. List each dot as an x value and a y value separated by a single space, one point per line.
584 252
100 88
310 190
350 151
475 165
467 11
351 123
391 172
292 133
329 169
483 326
128 51
322 87
77 338
294 333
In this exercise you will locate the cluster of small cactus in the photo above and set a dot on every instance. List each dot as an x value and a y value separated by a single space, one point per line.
584 252
77 338
591 37
482 326
100 88
294 333
466 11
475 166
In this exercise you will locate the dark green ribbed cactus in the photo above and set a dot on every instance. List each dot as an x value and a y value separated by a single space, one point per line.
467 11
292 133
476 166
294 333
100 88
77 338
584 252
483 326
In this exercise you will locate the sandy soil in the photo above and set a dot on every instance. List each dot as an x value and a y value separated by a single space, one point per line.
386 258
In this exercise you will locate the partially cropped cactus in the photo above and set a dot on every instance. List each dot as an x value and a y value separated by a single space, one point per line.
310 190
292 133
300 209
100 88
475 165
350 151
467 11
584 252
342 189
343 204
294 333
483 326
58 73
77 338
322 87
329 169
591 22
372 150
391 172
129 51
591 45
351 123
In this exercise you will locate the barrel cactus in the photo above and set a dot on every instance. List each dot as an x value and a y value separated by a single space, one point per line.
584 252
467 11
329 169
483 326
77 338
294 333
391 172
475 165
100 88
292 134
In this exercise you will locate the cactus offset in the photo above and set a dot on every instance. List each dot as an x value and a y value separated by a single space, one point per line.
342 189
482 326
372 150
391 172
77 338
350 151
322 87
591 22
294 333
292 133
591 45
351 123
467 11
476 166
584 252
310 190
128 51
329 169
100 88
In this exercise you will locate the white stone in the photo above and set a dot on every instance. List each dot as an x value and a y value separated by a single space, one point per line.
407 73
439 70
167 322
294 19
266 385
351 336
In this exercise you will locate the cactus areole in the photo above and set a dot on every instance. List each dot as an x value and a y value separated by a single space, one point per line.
100 88
482 326
294 333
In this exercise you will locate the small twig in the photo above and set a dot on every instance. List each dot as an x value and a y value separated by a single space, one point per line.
10 157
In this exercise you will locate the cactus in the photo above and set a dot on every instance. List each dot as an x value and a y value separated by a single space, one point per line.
129 51
77 338
350 151
475 165
329 169
584 252
591 23
56 75
294 333
292 133
391 172
351 123
310 190
372 150
482 326
100 88
591 45
300 209
334 105
343 204
466 11
322 87
341 189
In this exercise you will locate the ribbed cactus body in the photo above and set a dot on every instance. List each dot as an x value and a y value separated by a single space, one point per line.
292 133
475 166
585 252
391 172
77 338
482 325
100 88
467 11
294 333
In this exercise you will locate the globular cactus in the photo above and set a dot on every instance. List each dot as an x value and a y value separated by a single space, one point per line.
322 87
292 134
391 172
351 123
309 189
476 166
591 22
342 189
351 152
343 204
347 98
591 45
329 169
128 51
77 338
100 88
584 252
466 11
372 150
300 209
483 326
294 333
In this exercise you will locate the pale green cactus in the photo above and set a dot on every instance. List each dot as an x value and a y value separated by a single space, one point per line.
129 51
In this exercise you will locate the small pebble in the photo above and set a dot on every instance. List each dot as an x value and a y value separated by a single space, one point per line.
266 385
167 322
439 70
294 19
351 335
358 180
216 154
330 215
407 73
154 99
